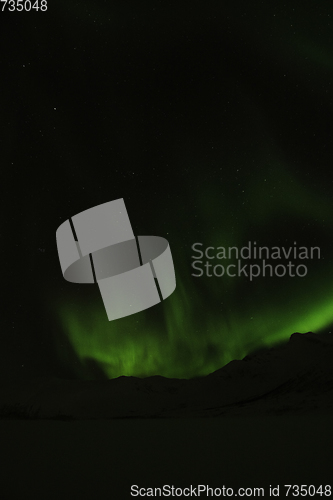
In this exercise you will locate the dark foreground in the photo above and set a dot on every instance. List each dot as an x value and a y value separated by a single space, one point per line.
100 459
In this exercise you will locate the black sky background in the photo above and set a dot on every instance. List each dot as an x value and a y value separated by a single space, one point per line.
158 103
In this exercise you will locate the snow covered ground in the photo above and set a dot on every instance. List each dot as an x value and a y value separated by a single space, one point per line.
100 459
265 420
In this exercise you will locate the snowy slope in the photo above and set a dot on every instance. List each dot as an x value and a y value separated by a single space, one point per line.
296 377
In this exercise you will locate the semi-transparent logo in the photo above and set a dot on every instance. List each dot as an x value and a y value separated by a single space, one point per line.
211 261
99 246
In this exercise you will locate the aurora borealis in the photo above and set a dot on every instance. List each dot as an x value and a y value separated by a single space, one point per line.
215 126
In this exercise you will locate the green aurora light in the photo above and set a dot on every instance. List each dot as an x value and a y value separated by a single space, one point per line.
208 322
186 347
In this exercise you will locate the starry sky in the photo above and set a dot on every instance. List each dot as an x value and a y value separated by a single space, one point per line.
214 125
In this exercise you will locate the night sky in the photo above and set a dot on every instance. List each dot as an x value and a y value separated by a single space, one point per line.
214 124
